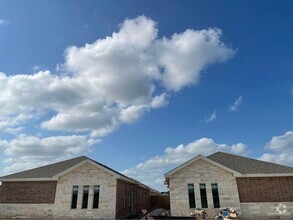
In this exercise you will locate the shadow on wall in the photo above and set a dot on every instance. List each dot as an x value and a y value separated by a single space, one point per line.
160 201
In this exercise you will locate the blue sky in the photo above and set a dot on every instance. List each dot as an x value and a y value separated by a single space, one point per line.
143 86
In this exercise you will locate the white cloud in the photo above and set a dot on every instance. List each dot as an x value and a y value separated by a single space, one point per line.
183 56
26 151
237 103
11 124
113 80
212 117
153 169
281 148
3 22
160 101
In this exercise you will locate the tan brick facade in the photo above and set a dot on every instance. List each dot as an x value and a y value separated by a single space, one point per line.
87 174
90 175
267 210
198 172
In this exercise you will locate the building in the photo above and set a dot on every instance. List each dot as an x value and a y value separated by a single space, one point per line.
256 189
76 188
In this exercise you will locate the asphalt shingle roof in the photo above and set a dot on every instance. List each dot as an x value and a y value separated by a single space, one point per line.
51 170
47 171
246 165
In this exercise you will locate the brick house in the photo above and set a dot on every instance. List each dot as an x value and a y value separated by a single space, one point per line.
75 188
257 189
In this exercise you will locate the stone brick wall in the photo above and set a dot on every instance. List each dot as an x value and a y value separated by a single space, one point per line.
90 175
136 198
267 210
202 172
26 211
28 192
265 189
87 174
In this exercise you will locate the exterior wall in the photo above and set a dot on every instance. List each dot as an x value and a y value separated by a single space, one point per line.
202 172
162 201
87 174
265 189
267 210
130 199
29 192
28 211
266 197
90 175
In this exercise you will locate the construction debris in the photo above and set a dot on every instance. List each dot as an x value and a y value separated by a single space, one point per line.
199 213
227 214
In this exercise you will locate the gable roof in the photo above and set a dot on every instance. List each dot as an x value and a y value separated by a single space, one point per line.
246 165
200 157
239 166
47 171
53 171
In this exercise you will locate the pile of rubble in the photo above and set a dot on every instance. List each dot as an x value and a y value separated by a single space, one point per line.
227 214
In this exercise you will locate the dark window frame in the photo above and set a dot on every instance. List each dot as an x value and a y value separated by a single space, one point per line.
216 197
191 195
124 198
203 195
85 197
74 197
96 196
128 197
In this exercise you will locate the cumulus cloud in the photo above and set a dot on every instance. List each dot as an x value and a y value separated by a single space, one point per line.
27 151
154 168
236 104
183 56
113 80
281 148
101 85
11 124
212 117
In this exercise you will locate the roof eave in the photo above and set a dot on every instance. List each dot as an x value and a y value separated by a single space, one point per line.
266 175
26 179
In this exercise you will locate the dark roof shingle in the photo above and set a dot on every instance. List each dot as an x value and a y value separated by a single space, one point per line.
246 165
47 171
51 170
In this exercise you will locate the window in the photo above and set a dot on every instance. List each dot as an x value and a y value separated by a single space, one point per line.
134 197
74 197
191 195
215 193
96 196
124 198
203 195
128 197
85 197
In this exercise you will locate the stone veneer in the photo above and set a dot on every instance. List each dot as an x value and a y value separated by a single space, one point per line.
267 210
86 174
198 172
8 211
90 175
